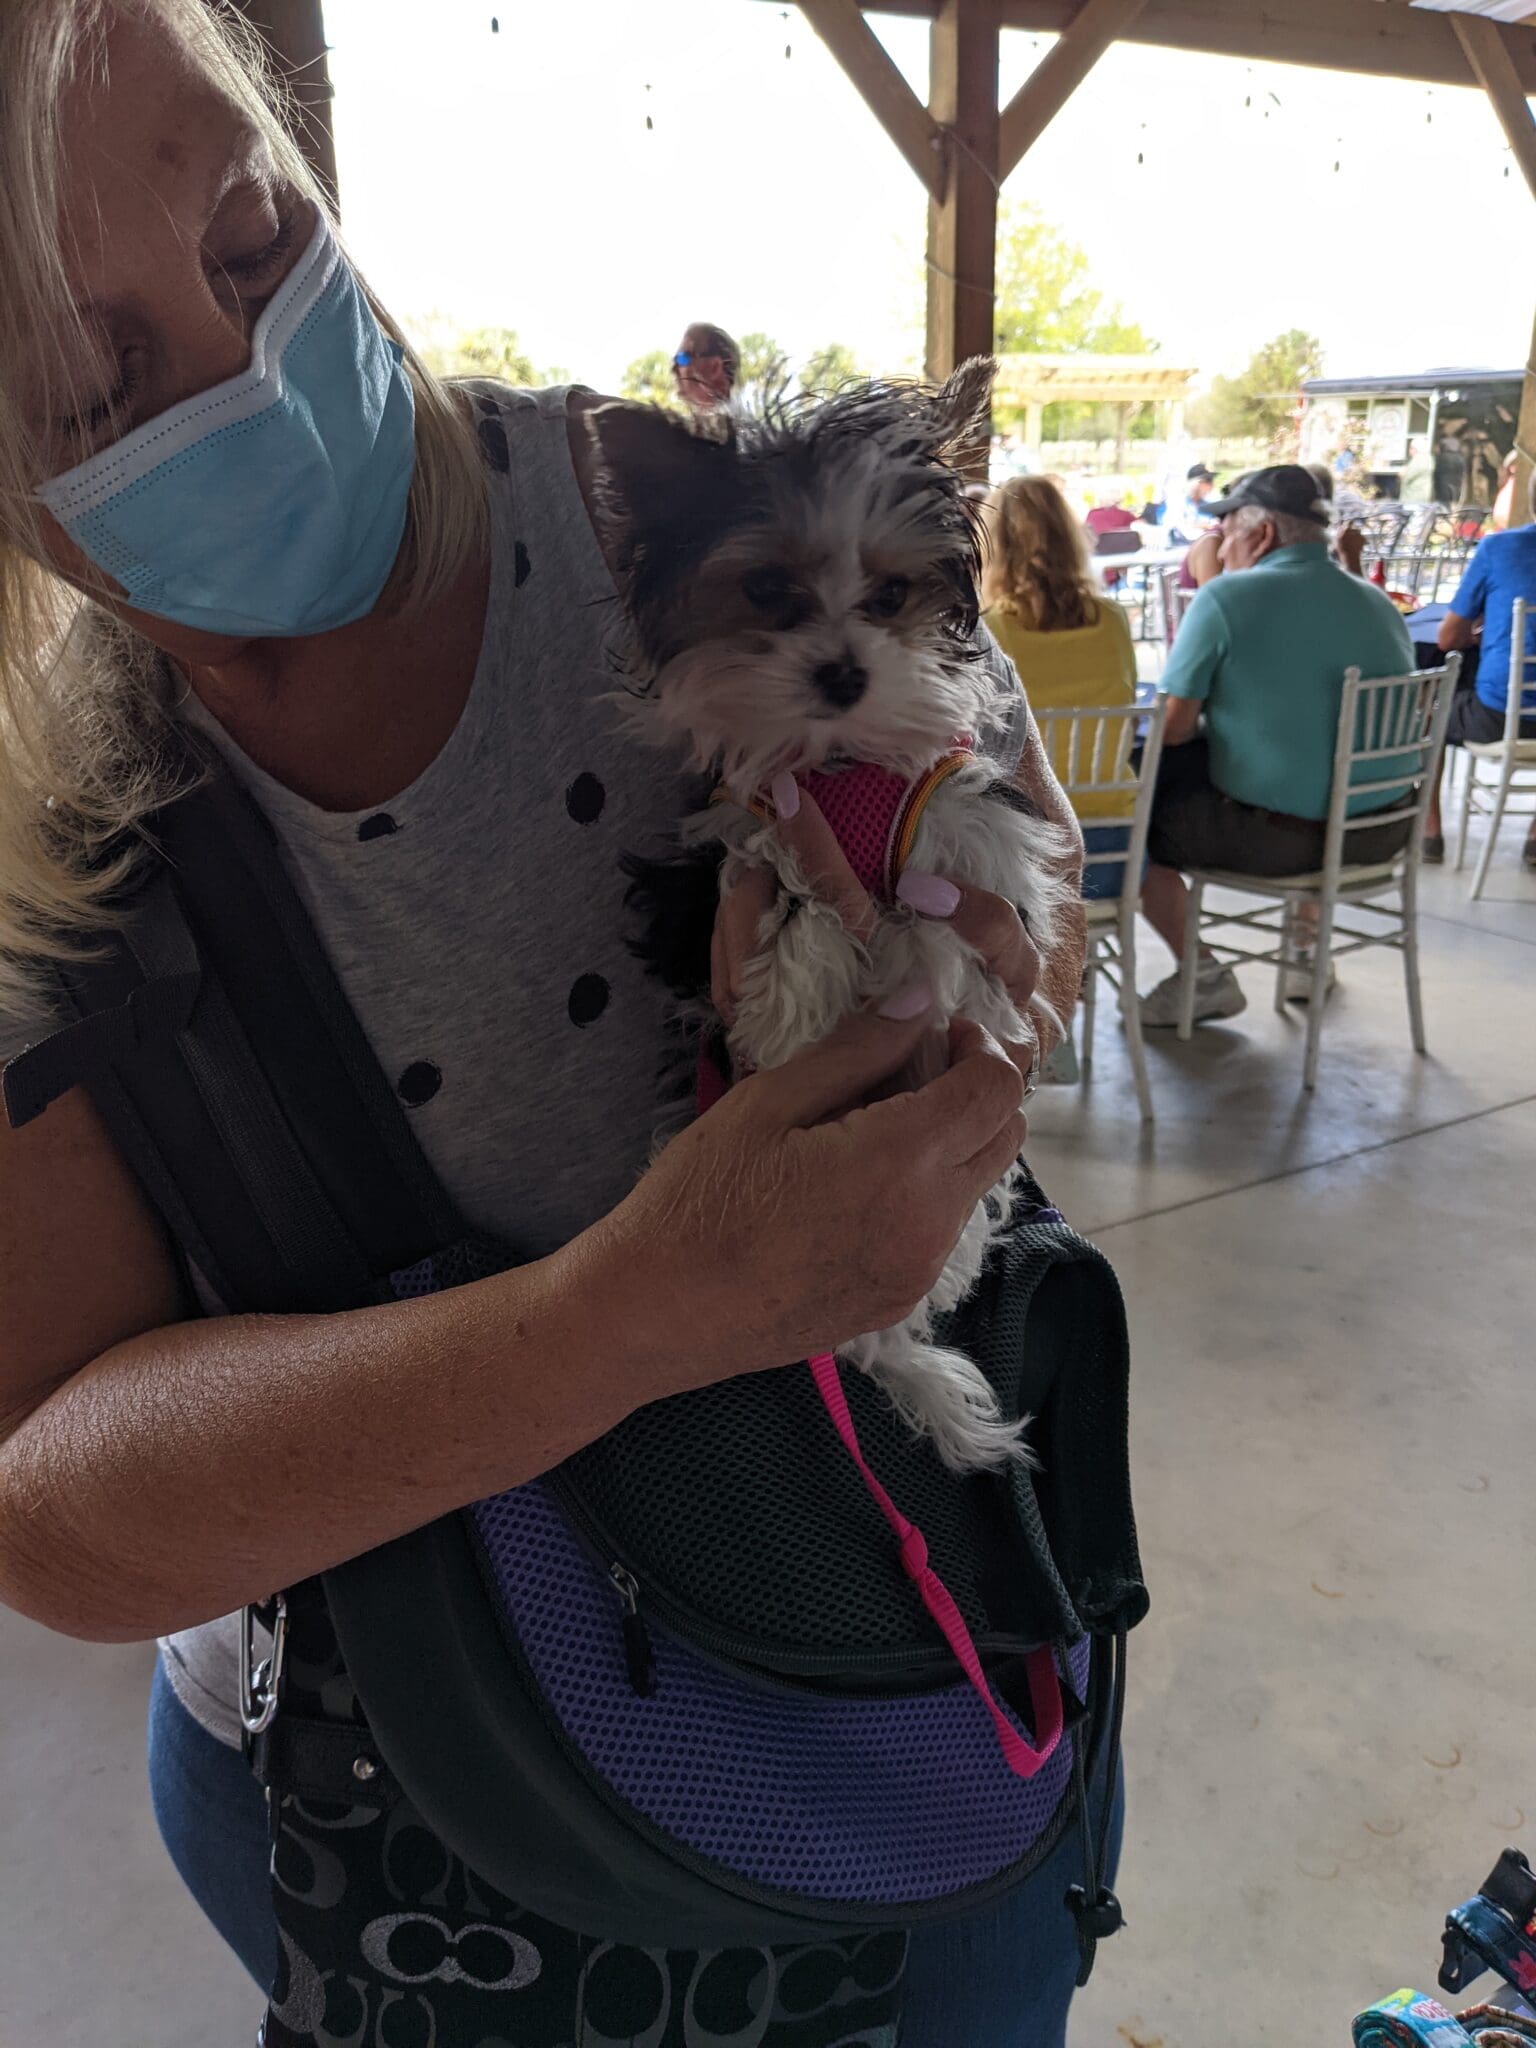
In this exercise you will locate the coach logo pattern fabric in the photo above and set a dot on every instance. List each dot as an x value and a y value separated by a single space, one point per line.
420 1952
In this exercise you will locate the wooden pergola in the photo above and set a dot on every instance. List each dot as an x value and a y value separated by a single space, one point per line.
1032 382
962 145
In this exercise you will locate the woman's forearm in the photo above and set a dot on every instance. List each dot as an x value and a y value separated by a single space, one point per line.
199 1466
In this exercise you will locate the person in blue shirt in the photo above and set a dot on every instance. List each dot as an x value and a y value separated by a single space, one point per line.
1261 654
1502 569
1187 519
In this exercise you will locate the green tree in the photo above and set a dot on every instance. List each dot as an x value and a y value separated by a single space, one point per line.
1259 404
826 369
453 351
762 360
649 377
1046 304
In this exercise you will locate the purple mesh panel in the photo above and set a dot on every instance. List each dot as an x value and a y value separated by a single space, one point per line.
886 1801
410 1282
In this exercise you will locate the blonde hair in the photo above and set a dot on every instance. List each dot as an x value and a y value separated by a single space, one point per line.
1035 563
84 701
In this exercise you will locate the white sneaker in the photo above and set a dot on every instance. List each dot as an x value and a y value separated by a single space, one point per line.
1298 979
1217 994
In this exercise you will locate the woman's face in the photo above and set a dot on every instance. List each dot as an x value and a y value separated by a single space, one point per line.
178 229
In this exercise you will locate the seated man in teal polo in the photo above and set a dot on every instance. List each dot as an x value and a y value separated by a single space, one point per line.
1262 655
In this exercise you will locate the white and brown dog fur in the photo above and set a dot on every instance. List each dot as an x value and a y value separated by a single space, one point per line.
800 588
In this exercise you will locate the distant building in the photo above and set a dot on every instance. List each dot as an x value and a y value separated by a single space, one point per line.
1438 434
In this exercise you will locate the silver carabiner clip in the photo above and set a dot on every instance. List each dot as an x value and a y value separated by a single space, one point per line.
259 1682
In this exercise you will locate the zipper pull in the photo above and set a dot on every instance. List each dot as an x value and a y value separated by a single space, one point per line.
639 1657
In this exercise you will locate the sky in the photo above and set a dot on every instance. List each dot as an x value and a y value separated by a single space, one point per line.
510 179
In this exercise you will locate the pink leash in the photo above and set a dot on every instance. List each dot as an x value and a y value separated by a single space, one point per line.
1044 1683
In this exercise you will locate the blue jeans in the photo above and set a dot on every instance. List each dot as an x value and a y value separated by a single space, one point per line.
1104 880
1001 1979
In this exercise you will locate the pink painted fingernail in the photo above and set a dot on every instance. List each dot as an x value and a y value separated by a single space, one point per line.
908 1002
930 894
786 795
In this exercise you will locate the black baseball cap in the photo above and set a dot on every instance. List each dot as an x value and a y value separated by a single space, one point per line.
1199 471
1285 487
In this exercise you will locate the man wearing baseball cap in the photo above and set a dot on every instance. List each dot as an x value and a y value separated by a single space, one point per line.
1261 655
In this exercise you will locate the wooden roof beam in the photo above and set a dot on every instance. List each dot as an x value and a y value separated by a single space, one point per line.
1062 69
1340 35
1490 61
1496 74
842 27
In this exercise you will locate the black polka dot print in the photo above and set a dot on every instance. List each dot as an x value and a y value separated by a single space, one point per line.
493 443
522 568
589 999
419 1083
585 799
379 826
489 407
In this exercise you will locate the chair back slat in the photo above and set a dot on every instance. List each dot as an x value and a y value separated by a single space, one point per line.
1521 701
1089 748
1395 720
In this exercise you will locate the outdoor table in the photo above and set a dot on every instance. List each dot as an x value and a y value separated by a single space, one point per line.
1144 558
1423 630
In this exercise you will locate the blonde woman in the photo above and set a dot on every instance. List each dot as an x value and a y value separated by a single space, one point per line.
1070 644
230 499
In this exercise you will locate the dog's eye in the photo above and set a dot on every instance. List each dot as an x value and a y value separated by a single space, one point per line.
775 591
887 598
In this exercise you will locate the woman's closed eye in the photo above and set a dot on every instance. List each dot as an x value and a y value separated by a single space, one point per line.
104 417
266 264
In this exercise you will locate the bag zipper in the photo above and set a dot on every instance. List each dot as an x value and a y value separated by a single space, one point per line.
639 1655
931 1664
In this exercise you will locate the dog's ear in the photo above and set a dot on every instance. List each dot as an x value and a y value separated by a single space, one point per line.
961 408
653 466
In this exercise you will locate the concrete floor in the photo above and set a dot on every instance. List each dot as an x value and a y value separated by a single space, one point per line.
1333 1303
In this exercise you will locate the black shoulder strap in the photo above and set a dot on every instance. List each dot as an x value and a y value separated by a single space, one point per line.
217 1045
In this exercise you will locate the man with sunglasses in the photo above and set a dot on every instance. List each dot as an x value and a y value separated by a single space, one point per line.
705 367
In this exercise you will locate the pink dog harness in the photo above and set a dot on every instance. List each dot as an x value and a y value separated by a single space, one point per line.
874 814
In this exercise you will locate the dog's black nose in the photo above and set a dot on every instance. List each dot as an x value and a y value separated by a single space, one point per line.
842 683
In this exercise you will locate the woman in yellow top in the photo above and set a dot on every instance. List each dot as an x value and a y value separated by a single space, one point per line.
1070 644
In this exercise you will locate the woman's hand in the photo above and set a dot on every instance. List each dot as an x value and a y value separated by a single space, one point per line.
797 1213
989 923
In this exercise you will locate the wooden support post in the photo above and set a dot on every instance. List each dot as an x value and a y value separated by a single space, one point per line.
1058 75
1525 443
294 31
1488 54
1034 427
842 27
962 221
1123 414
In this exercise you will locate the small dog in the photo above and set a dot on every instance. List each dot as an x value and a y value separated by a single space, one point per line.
800 587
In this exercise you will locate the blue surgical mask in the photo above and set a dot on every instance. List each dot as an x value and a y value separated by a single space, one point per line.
272 505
